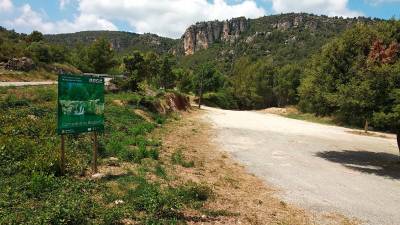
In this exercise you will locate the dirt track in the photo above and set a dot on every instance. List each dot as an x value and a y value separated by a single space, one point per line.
318 167
31 83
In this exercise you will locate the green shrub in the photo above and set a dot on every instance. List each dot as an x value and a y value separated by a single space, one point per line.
40 183
221 99
156 202
141 129
142 152
11 101
194 192
46 95
178 158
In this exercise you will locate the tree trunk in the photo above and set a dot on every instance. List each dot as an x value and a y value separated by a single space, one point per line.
201 90
398 141
366 126
200 97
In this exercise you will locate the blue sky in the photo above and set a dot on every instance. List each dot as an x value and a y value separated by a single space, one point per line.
167 17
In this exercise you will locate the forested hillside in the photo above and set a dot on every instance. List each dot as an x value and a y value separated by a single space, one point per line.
121 42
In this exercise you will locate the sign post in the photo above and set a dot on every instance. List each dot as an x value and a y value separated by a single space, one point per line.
94 167
80 109
62 156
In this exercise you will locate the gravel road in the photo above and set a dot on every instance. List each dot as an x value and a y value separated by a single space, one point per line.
318 167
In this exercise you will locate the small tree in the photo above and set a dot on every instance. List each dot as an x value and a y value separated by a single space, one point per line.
166 77
152 67
35 36
134 66
40 52
101 56
207 79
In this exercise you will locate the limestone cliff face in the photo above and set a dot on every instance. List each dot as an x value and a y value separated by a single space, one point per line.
201 35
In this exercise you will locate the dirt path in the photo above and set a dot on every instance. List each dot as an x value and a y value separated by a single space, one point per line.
32 83
318 167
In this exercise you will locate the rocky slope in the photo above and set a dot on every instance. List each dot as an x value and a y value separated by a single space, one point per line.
201 35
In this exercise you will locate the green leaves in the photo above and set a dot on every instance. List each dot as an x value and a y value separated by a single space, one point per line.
342 81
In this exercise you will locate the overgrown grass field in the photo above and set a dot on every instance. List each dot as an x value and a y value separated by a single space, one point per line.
33 192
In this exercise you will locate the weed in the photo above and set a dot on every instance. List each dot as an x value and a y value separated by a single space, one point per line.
178 159
153 200
160 171
193 192
11 101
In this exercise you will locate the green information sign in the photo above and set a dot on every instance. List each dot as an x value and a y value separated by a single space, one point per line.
80 104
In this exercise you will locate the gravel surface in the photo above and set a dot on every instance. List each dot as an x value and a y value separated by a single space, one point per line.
324 169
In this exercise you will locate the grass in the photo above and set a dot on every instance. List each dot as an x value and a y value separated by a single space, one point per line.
177 158
39 74
311 118
33 192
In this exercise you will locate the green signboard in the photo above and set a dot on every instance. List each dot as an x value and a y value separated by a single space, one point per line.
80 104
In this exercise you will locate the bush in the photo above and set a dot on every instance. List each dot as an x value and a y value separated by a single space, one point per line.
221 99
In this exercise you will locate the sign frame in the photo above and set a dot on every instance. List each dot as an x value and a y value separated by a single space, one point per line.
80 104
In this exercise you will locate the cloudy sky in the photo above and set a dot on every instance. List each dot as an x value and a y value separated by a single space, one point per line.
167 17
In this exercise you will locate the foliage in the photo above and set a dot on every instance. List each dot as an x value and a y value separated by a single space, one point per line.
223 99
35 36
122 42
31 190
349 79
149 68
39 52
101 56
207 78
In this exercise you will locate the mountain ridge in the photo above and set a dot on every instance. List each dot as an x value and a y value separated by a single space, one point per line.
202 35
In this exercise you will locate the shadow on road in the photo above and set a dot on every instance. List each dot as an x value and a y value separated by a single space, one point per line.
382 164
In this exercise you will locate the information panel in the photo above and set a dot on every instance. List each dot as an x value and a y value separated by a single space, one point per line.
80 104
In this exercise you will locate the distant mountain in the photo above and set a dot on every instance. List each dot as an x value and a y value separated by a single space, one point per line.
286 38
121 41
291 37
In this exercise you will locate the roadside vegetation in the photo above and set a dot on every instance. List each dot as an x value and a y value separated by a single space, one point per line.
134 185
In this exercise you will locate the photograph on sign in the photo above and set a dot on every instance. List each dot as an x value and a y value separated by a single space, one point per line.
80 104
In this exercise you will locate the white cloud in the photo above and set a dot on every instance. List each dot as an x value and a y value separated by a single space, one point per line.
5 5
326 7
168 17
29 20
64 3
164 17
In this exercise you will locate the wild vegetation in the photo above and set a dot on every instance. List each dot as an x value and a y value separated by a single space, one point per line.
33 192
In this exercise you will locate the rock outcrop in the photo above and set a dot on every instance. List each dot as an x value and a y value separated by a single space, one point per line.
20 64
201 35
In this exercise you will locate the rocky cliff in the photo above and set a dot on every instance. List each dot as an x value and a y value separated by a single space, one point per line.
201 35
